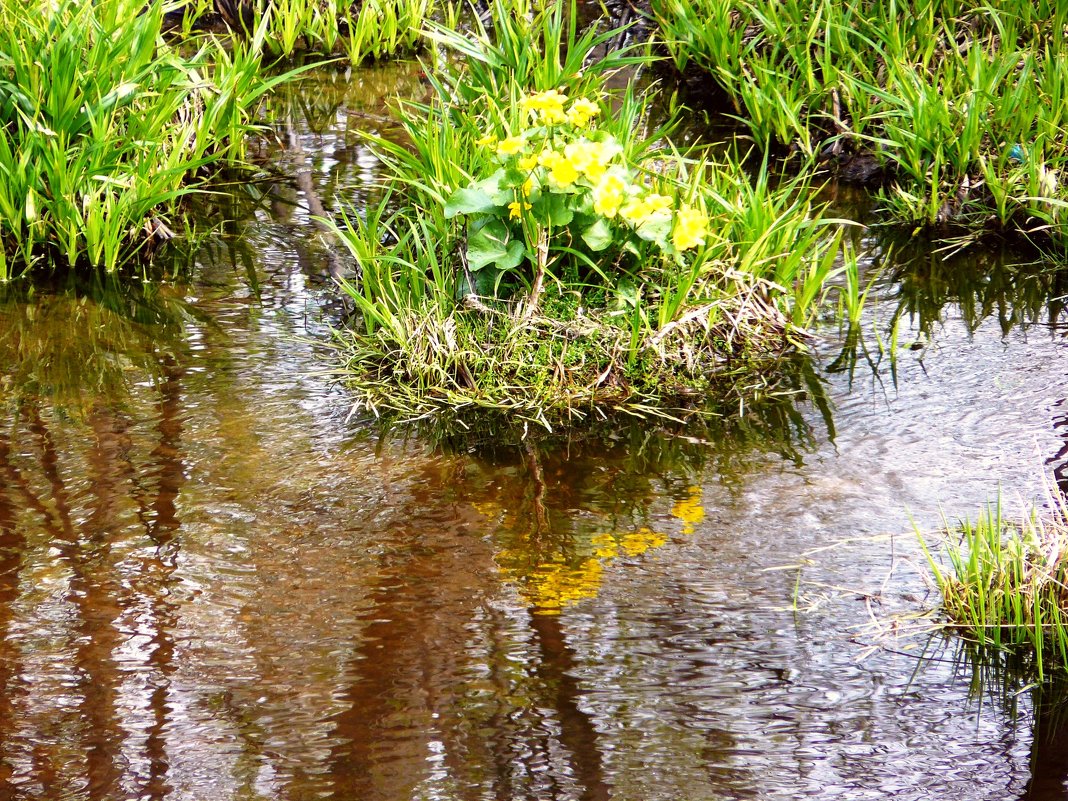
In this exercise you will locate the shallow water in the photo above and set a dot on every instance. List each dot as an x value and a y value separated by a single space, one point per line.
213 585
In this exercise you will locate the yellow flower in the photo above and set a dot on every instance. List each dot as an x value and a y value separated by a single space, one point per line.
528 163
642 210
581 153
549 105
581 112
528 187
609 195
561 171
510 146
486 140
691 227
657 202
516 209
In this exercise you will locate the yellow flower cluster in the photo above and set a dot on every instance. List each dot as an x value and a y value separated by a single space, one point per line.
643 209
581 158
570 159
582 111
691 228
548 108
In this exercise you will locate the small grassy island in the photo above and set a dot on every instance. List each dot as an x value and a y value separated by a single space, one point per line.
553 246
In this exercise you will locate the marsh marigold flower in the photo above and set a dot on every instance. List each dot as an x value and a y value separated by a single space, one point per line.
582 111
609 195
528 163
516 209
691 227
561 171
510 146
487 140
642 210
547 105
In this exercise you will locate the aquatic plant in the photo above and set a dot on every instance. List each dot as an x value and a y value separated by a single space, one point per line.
546 252
961 103
103 127
370 29
1003 581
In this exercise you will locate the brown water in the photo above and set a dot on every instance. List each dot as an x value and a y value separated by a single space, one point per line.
215 586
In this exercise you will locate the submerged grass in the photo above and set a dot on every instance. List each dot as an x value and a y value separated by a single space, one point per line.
961 102
103 127
545 252
1005 583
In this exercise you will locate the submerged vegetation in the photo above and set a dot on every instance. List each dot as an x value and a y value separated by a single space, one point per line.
957 107
1005 582
546 251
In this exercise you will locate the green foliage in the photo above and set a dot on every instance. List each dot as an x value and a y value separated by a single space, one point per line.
369 29
547 252
963 102
1004 582
102 125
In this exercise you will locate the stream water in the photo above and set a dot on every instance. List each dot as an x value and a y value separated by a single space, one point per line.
215 585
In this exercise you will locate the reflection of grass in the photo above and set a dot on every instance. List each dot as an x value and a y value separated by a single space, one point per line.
554 578
77 345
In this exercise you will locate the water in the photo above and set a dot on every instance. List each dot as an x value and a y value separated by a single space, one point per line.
214 585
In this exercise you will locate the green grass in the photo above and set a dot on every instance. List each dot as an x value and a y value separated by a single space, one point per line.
104 127
1003 582
580 315
962 102
371 29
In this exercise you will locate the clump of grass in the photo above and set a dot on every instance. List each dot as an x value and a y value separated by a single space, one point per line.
545 251
369 29
962 103
103 127
1005 583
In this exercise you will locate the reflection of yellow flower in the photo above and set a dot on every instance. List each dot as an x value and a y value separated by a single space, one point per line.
548 105
510 146
581 112
489 508
638 542
488 139
691 227
516 209
605 546
689 510
609 195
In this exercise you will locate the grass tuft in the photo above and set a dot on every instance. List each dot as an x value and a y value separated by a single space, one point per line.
104 127
1003 582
